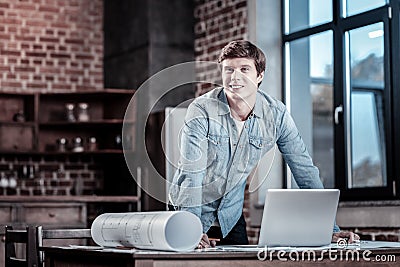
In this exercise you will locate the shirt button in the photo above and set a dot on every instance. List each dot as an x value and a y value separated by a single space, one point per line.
260 145
234 144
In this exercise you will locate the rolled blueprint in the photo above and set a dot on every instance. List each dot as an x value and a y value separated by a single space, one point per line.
160 230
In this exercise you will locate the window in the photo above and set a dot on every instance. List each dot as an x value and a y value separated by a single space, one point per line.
366 46
341 65
302 14
352 7
310 81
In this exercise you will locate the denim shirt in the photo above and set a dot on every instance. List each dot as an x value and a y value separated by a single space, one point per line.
216 160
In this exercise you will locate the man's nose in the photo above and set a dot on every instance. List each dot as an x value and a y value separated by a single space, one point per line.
235 75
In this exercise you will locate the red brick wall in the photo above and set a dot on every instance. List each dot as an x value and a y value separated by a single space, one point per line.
216 23
51 44
35 176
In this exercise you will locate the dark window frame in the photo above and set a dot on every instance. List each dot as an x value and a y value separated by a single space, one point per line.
389 15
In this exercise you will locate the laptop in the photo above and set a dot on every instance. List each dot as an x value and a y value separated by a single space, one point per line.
298 217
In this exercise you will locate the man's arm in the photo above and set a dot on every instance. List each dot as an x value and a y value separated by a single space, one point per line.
295 154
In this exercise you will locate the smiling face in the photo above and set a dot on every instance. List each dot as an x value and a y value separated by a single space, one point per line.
240 80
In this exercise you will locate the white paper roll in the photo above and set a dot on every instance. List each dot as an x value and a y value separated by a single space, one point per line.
162 230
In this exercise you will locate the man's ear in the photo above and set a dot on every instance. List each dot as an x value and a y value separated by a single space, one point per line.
260 77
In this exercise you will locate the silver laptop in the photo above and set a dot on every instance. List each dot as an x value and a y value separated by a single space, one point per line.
298 217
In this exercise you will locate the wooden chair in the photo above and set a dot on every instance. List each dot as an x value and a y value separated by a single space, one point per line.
42 234
27 237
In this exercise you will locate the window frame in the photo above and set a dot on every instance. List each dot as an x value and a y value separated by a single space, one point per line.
389 15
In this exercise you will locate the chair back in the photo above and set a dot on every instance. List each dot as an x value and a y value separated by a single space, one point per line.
42 234
26 237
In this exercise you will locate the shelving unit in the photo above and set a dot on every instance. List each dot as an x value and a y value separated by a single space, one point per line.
45 120
42 120
30 125
17 136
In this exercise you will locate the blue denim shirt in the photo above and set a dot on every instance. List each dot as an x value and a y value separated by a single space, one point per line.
216 160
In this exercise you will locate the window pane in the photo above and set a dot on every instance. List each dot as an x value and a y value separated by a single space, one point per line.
301 14
352 7
367 140
367 83
311 98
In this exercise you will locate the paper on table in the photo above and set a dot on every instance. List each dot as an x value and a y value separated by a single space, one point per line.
162 230
378 244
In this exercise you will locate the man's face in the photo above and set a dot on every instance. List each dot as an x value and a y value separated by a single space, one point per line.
240 79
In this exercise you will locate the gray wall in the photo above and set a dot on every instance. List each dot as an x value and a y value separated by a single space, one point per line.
142 37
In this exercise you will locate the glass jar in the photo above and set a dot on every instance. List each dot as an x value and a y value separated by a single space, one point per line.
62 144
77 145
69 108
92 144
83 114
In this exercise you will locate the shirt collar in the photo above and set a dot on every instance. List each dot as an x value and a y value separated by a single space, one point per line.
223 106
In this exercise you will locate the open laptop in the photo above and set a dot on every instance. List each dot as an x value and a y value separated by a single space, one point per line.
298 217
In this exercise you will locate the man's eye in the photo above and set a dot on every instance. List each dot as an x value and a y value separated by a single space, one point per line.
228 70
245 69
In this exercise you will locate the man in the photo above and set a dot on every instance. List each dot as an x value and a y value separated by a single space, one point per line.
226 133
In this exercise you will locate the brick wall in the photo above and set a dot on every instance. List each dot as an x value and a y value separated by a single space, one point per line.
216 23
377 234
35 176
51 44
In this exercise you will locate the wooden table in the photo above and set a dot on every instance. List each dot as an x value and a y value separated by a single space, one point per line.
72 257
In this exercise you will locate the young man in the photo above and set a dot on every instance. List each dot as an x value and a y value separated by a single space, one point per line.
226 133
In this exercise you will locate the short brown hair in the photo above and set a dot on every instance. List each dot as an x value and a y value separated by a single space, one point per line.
244 49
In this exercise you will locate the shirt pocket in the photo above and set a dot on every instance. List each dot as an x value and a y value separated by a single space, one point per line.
218 150
258 147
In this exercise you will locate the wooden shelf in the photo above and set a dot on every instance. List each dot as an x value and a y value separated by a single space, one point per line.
85 123
87 152
67 153
78 199
107 91
16 124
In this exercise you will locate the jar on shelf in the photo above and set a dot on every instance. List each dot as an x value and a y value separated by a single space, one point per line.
19 116
62 144
83 114
3 180
77 145
92 144
118 141
69 108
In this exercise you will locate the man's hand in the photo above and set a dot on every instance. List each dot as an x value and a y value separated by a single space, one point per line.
349 236
205 242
